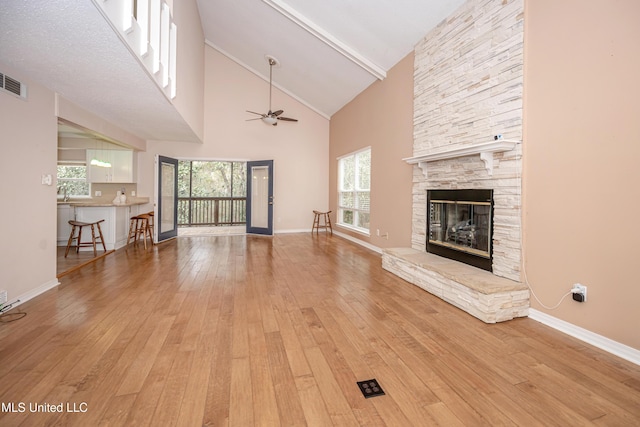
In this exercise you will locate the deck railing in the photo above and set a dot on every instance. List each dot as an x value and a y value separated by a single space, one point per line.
212 211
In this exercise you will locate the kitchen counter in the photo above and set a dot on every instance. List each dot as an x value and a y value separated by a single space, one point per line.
88 203
115 227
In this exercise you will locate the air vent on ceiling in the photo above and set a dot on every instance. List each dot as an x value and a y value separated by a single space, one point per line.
13 86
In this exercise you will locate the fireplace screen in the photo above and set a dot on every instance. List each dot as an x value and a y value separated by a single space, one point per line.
461 225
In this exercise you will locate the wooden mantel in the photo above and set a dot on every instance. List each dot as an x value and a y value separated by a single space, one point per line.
485 149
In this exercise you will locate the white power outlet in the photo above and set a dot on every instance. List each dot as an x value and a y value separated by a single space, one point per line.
581 290
3 297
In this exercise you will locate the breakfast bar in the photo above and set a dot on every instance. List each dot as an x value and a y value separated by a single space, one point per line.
115 215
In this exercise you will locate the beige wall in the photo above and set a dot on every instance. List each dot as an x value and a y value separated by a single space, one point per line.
70 112
28 135
299 150
582 149
380 117
189 100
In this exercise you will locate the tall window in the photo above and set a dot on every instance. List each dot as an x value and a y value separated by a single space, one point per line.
354 187
72 180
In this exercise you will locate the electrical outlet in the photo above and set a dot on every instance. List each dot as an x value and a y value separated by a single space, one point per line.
579 292
98 193
133 193
3 297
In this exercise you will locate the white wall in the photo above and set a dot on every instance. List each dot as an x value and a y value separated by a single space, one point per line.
300 150
28 135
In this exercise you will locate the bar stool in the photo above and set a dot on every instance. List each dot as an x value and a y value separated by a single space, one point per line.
150 223
94 239
139 227
325 219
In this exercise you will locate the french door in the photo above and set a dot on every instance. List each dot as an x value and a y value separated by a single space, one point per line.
166 209
260 197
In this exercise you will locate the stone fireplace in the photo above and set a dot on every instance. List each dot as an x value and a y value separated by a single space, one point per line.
467 137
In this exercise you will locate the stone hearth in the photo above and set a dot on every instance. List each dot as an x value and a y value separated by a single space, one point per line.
480 293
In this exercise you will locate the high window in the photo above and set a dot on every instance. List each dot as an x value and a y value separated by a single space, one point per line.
354 187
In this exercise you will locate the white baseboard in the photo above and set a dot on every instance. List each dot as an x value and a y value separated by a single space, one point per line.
33 293
308 230
358 241
604 343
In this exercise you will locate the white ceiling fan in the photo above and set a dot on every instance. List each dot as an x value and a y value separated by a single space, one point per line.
272 117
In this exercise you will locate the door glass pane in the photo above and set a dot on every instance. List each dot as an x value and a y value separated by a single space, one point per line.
168 173
260 196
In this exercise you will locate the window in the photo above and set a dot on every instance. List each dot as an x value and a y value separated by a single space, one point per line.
211 193
354 187
72 178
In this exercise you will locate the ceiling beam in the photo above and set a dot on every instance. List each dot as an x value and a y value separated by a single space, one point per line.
324 36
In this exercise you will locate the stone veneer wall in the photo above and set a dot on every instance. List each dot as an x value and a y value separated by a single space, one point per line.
468 83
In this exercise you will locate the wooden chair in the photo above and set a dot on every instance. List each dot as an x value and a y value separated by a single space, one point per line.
140 226
326 221
77 225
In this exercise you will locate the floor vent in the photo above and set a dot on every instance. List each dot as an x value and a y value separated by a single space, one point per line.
370 388
13 86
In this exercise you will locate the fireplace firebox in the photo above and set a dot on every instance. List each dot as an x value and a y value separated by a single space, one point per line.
460 225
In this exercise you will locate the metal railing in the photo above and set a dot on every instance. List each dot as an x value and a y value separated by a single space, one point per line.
212 211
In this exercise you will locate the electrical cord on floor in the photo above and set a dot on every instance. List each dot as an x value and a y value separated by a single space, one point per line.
10 317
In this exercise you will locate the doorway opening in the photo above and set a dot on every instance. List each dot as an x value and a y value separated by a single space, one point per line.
212 197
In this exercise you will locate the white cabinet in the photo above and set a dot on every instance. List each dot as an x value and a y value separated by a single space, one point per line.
65 214
115 225
121 169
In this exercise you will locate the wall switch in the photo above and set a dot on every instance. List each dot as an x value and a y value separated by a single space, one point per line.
98 193
3 297
46 179
378 232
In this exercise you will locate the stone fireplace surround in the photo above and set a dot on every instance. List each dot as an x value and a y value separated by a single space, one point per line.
491 297
468 80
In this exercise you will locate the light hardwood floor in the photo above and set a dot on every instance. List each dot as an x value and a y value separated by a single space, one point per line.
255 331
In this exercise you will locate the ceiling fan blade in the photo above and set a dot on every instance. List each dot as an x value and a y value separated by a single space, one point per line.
287 119
278 112
257 118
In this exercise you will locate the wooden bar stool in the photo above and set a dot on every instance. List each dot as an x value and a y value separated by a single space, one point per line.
326 221
150 224
139 227
77 225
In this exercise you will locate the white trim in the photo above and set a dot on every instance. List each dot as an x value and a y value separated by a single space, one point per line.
485 149
328 39
604 343
353 153
33 293
358 241
307 230
353 228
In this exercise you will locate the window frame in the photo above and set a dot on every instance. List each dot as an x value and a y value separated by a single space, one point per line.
356 209
61 181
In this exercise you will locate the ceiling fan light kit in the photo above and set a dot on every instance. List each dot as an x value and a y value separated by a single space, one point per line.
272 117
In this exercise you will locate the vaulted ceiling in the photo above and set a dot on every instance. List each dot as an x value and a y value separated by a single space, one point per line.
328 51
